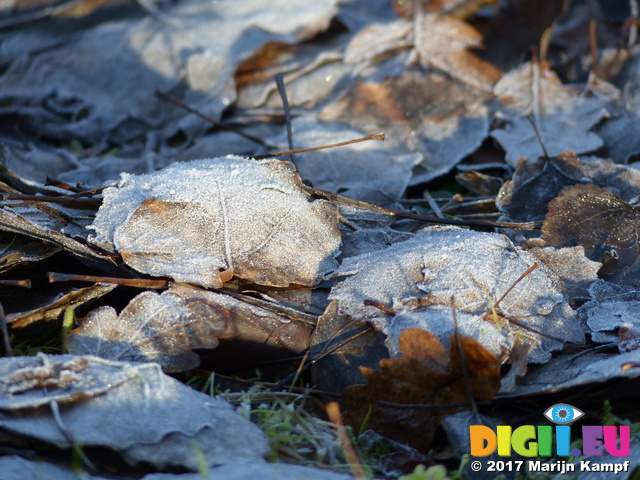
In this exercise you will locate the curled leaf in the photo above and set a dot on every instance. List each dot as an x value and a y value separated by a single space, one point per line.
152 328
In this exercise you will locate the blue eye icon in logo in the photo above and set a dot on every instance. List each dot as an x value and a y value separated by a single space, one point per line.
563 413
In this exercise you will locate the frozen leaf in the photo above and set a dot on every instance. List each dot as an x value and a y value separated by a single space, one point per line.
621 142
619 135
53 304
442 41
572 266
134 410
33 223
612 308
345 346
201 222
152 328
598 220
424 112
535 184
568 371
311 74
368 240
16 250
196 52
563 118
377 39
33 382
255 332
427 374
28 162
365 171
416 279
14 467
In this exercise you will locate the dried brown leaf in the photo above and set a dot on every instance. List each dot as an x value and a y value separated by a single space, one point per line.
598 220
152 328
426 374
442 42
428 112
55 303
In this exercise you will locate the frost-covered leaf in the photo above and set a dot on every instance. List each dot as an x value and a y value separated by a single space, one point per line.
535 183
31 222
428 113
134 410
563 118
570 264
32 382
152 328
86 91
619 132
377 39
16 250
570 370
344 346
598 220
255 332
427 373
201 222
417 278
442 41
49 305
619 135
365 171
14 467
612 313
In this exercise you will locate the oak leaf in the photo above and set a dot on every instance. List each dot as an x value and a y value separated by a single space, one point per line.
427 373
151 328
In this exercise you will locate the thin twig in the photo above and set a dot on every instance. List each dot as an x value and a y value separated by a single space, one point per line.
373 136
432 203
350 202
287 113
520 278
176 101
16 283
54 277
71 201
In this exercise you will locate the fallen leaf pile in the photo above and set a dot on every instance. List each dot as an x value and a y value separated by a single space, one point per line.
480 261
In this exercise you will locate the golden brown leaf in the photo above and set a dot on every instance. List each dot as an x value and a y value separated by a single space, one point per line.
428 373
